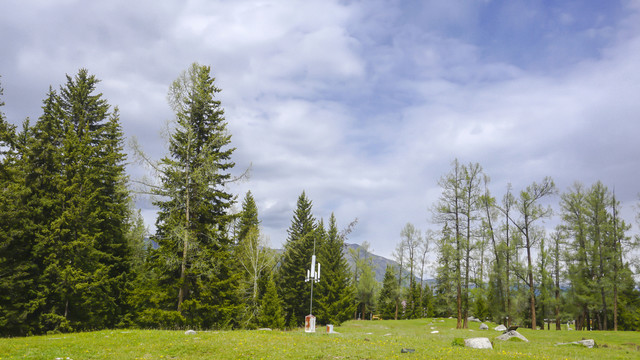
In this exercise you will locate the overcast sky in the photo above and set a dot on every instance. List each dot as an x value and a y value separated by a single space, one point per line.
362 104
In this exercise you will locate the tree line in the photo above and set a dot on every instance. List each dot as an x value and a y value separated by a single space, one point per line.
74 252
495 260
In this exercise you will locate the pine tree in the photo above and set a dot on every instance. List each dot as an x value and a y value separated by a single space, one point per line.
254 257
388 294
295 262
334 297
427 301
74 169
271 315
194 254
17 270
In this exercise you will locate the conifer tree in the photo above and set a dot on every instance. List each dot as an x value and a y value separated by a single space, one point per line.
17 269
194 254
295 262
74 169
271 315
334 294
388 294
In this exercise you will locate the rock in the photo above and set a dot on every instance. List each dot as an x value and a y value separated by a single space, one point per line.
190 332
478 343
500 328
404 351
589 343
484 327
435 332
511 334
472 319
264 329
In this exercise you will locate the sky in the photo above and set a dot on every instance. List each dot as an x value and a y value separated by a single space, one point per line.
363 105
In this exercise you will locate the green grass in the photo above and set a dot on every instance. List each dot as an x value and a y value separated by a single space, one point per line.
356 340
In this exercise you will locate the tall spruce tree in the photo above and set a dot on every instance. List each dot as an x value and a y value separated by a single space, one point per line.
194 251
334 294
74 169
17 269
295 262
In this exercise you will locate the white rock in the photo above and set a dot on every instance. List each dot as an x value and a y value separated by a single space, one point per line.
435 332
500 328
509 334
190 332
478 343
484 327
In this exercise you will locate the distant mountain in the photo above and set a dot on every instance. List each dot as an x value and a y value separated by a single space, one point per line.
379 263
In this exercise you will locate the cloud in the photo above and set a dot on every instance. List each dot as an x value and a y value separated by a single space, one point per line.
363 105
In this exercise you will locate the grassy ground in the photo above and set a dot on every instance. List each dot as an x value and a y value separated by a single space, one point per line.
355 340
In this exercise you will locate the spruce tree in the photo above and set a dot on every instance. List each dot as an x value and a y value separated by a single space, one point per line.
74 170
334 297
295 262
194 254
17 270
271 315
388 294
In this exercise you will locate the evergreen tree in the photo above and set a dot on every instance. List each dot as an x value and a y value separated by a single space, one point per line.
427 301
254 257
414 303
194 254
17 270
334 297
295 262
74 169
271 315
388 294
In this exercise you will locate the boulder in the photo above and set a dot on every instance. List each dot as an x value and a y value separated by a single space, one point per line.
190 332
473 319
511 334
484 327
435 332
500 328
478 343
589 343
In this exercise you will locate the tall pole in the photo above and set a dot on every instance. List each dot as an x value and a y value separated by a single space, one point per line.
313 275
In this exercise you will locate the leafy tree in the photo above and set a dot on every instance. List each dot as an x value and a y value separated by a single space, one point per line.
528 205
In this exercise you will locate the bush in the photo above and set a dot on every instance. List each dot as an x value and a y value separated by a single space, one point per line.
160 319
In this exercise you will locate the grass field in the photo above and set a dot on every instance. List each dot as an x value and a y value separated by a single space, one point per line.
355 340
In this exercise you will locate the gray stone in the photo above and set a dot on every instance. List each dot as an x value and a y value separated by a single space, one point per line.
473 319
478 343
500 328
484 327
510 334
190 332
435 332
589 343
404 351
264 329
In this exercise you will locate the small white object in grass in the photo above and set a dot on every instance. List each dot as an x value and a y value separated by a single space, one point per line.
190 332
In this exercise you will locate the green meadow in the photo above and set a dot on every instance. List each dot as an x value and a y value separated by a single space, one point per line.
353 340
